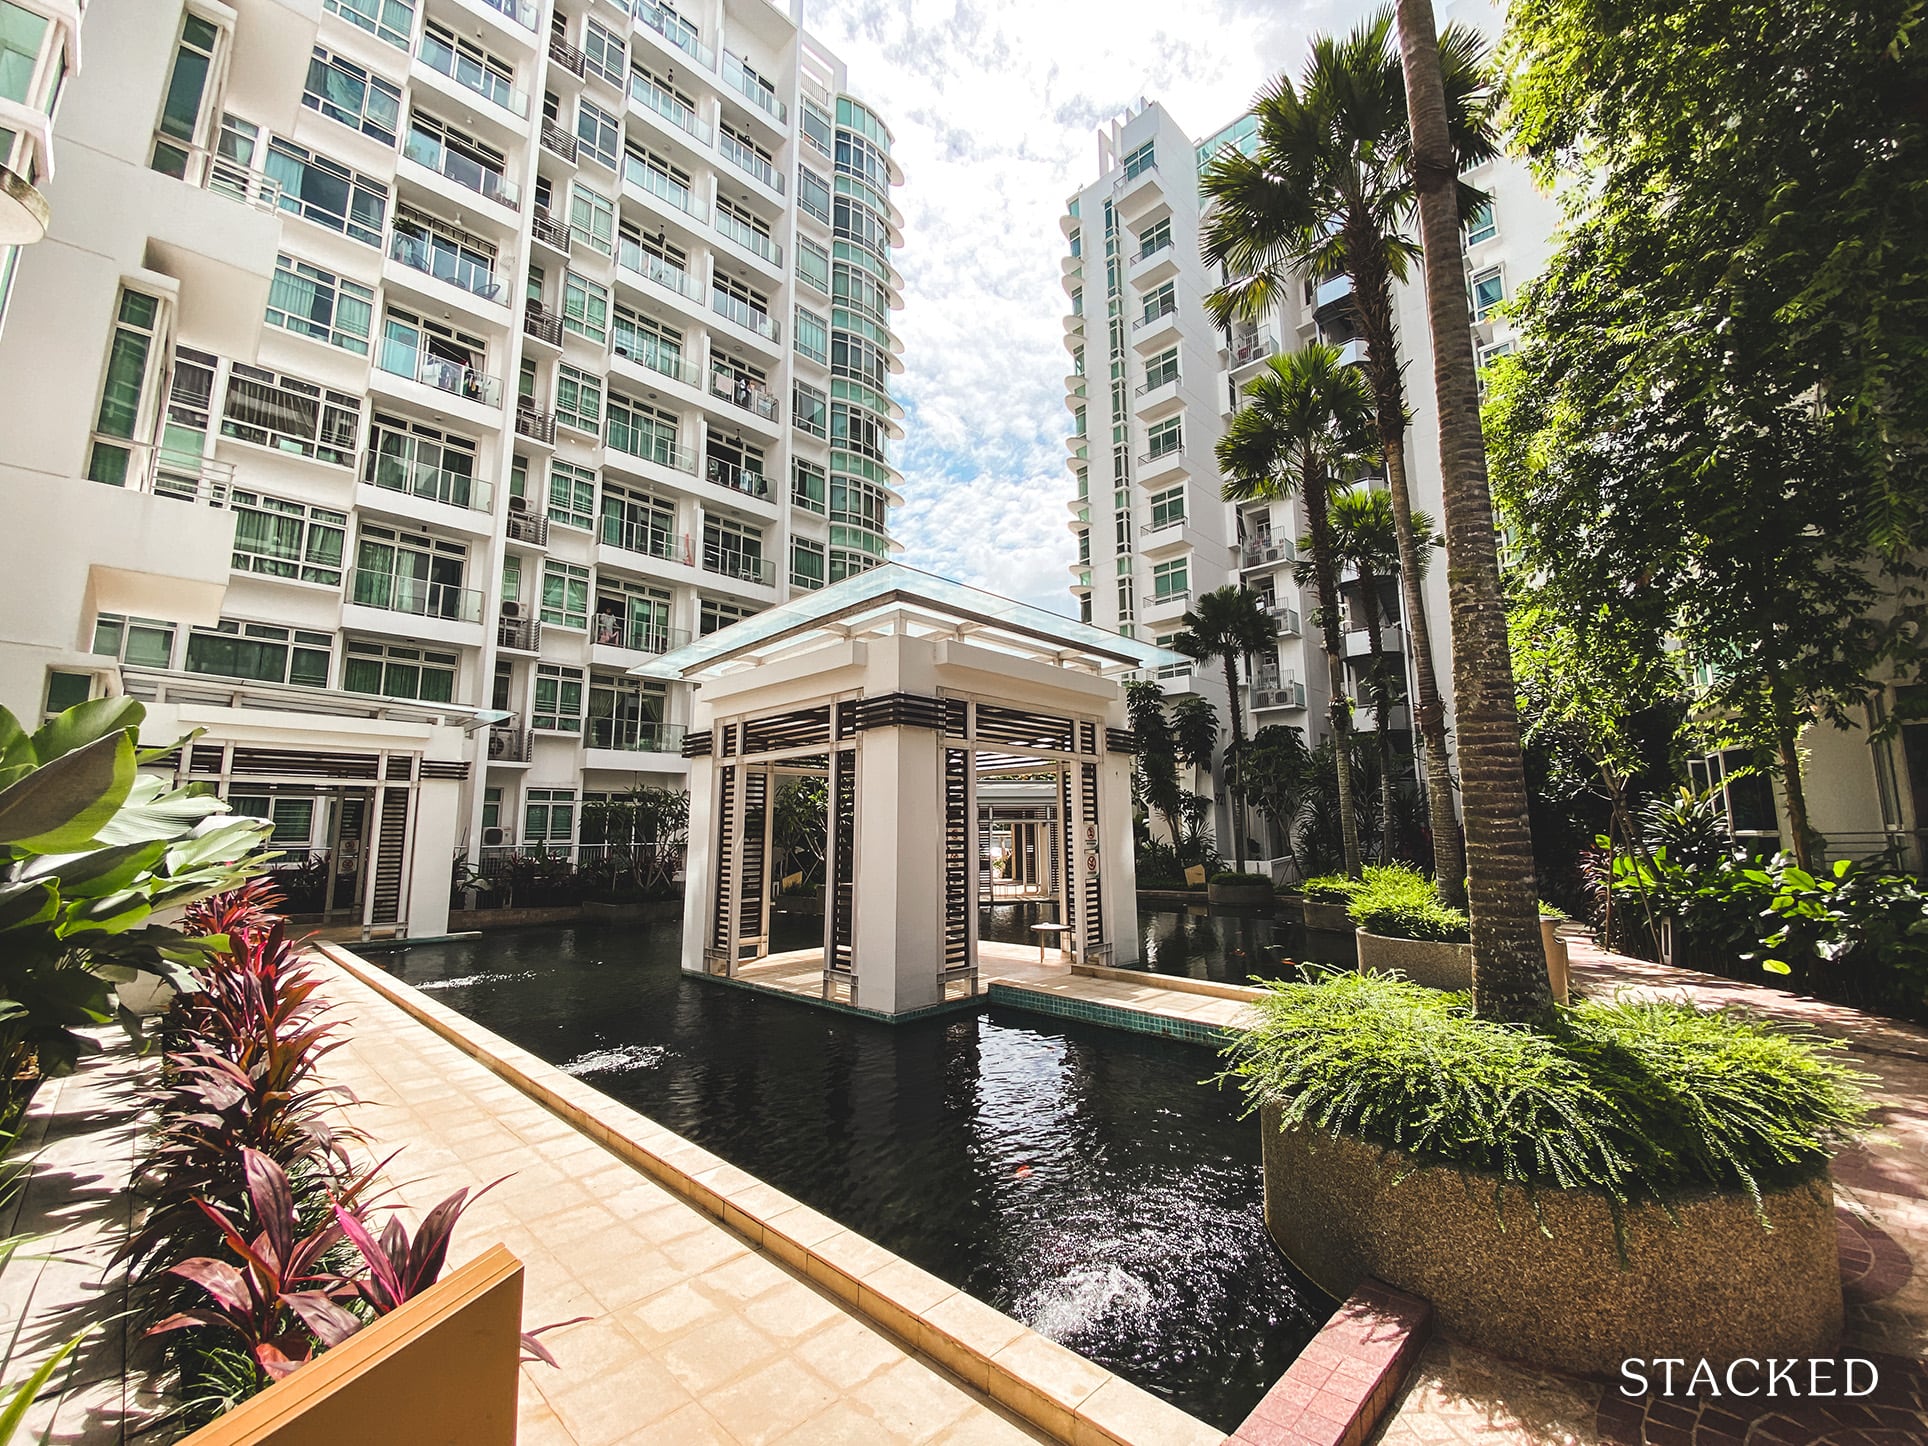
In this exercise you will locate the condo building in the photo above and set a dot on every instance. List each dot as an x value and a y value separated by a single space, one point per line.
39 50
397 376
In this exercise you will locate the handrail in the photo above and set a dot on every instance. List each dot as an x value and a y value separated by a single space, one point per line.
631 257
558 141
444 59
739 390
647 178
418 255
745 159
426 150
440 373
613 630
652 16
738 478
399 593
523 12
650 355
742 313
647 93
739 78
629 535
749 238
434 484
738 565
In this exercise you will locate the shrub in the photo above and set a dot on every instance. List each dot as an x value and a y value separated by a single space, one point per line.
1331 889
1398 901
1229 877
1636 1100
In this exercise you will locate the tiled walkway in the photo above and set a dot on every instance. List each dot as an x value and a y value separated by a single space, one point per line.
1459 1395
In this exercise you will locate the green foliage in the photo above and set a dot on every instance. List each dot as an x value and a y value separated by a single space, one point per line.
644 831
1331 889
1399 902
1635 1100
1229 877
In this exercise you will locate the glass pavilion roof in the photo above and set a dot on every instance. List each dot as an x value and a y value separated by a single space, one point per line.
902 600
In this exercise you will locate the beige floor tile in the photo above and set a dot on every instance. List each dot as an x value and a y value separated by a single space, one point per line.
913 1402
770 1402
690 1426
847 1353
722 1350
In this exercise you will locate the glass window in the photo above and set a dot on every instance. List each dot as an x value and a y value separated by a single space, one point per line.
640 430
288 539
578 399
1166 437
809 486
1170 579
714 614
1489 290
139 642
293 818
359 99
123 390
319 305
602 52
390 20
1155 238
592 219
813 265
187 85
598 132
1161 369
813 194
391 670
585 308
283 412
21 35
810 410
549 814
260 653
806 564
565 594
572 495
813 336
1480 226
328 193
67 690
1141 160
1168 507
816 127
558 700
1161 302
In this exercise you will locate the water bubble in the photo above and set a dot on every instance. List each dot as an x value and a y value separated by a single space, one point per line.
620 1059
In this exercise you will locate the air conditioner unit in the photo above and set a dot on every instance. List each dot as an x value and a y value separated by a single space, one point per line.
494 837
511 612
498 745
519 504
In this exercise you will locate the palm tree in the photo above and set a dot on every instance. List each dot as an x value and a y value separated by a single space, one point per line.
1365 536
1509 972
1228 623
1329 193
1308 418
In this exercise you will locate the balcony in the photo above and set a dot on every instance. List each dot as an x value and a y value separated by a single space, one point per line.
427 151
1160 398
1154 264
1251 349
740 80
1271 692
735 229
1265 552
738 478
647 447
650 355
1359 642
1168 604
542 324
526 527
558 142
420 253
523 12
1157 466
1285 620
430 484
633 735
550 232
632 635
741 566
632 258
1353 353
652 97
674 29
472 76
1332 296
736 309
568 57
628 535
536 426
509 745
1155 330
740 391
517 634
653 182
400 359
749 162
418 597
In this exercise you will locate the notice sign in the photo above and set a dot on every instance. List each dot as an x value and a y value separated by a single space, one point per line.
1091 862
1195 874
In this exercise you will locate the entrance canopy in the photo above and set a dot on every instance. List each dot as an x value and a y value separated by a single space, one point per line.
873 763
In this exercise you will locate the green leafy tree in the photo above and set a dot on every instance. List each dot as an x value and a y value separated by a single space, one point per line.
1307 420
1156 774
1227 624
645 830
1194 730
1717 431
1509 962
1273 770
1330 192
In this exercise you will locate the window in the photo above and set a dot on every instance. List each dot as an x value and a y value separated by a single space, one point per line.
511 578
405 456
856 429
585 308
492 803
625 712
640 430
565 594
1084 546
293 818
1155 238
806 564
391 670
123 390
558 702
578 400
549 814
321 306
1077 301
260 653
1166 437
469 65
592 219
638 522
411 572
287 539
572 496
603 52
816 127
1170 579
734 549
601 137
1489 290
846 563
432 245
1167 507
1162 302
813 337
1077 421
1141 160
359 99
328 193
1161 369
1480 226
813 265
139 642
66 690
813 194
180 123
649 341
714 614
390 20
290 415
809 486
810 409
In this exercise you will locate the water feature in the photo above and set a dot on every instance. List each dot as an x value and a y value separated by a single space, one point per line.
1228 946
1080 1178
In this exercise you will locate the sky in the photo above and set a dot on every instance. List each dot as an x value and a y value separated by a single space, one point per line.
994 108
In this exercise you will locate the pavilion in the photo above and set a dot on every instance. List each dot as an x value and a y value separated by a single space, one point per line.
969 747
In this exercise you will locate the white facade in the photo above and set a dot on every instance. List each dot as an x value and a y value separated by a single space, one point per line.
39 51
397 374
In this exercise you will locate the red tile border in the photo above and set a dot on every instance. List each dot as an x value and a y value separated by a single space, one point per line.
1344 1382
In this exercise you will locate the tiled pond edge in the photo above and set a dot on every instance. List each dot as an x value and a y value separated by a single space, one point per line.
1050 1387
1112 1016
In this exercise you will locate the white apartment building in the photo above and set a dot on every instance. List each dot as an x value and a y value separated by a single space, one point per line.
1154 383
39 50
398 375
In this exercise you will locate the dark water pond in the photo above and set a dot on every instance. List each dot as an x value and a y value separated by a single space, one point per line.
1085 1180
1228 947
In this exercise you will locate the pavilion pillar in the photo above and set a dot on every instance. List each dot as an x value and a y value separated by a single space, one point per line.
1120 863
898 945
699 864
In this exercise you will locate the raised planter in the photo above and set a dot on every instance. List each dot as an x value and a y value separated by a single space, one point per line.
1450 966
1709 1283
1240 896
1333 918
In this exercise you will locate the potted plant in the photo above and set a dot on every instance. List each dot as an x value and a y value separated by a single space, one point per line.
1238 890
1325 901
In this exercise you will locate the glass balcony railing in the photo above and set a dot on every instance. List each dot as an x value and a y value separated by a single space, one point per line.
635 635
739 78
742 313
433 484
632 735
676 31
647 351
632 258
749 238
745 159
417 596
640 537
404 359
742 566
523 12
1161 243
438 56
741 391
427 150
738 478
650 447
444 263
671 193
651 96
1155 314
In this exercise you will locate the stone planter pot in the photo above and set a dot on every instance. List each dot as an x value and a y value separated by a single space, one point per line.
1240 896
1450 966
1331 917
1715 1284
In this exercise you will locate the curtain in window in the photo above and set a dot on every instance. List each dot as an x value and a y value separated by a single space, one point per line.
271 543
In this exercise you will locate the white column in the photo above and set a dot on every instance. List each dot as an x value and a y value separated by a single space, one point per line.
1117 858
898 940
699 881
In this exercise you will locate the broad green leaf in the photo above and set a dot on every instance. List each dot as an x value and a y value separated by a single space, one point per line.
1775 966
24 904
99 870
86 723
61 805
